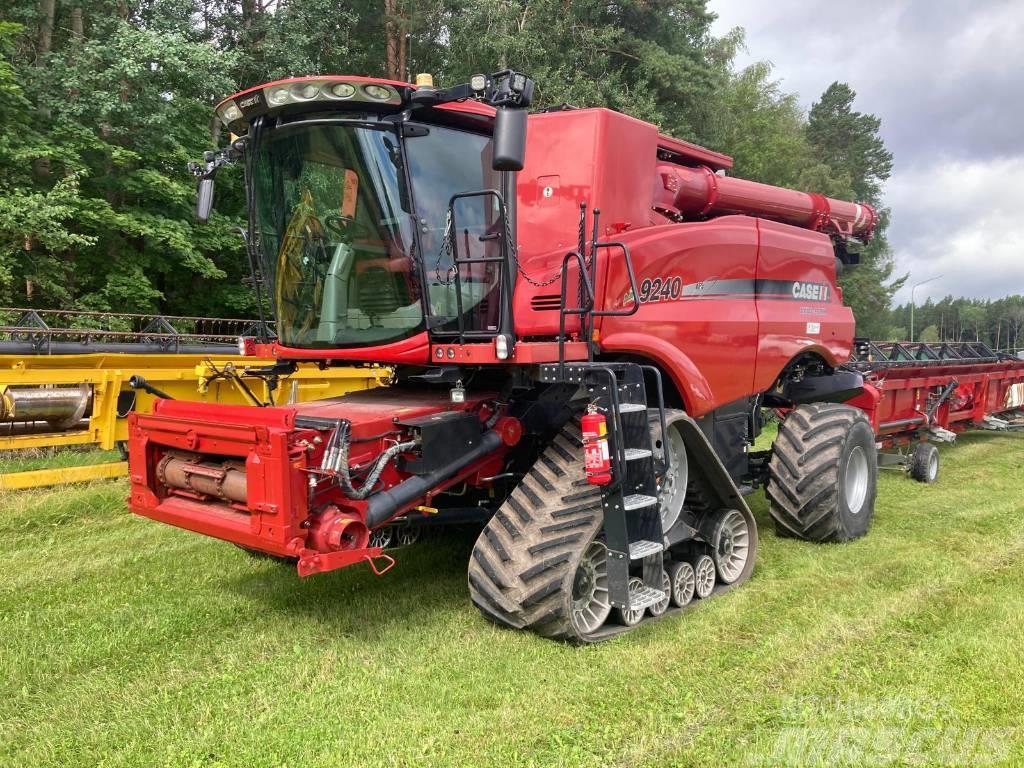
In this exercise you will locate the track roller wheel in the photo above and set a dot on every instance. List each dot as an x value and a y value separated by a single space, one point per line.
823 474
731 545
924 464
381 537
633 616
661 606
704 576
539 563
407 535
683 582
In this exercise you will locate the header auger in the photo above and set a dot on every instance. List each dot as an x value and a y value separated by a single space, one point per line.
527 275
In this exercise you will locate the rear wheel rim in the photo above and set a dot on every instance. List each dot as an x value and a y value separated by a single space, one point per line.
933 465
732 550
672 493
408 534
590 602
855 481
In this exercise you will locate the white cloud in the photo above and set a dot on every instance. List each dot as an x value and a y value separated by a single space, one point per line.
964 221
946 77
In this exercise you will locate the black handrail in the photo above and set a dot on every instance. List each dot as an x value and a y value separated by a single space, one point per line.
587 306
505 310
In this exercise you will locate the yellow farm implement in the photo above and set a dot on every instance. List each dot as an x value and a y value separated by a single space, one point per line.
83 398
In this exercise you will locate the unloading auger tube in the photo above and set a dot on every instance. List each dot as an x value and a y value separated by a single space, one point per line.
702 192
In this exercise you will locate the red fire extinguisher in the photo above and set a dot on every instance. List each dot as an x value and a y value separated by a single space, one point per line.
596 460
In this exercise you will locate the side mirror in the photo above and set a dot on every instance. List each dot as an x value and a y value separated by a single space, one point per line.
509 139
204 203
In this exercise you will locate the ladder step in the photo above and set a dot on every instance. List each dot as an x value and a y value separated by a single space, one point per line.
644 597
638 501
631 407
641 549
636 454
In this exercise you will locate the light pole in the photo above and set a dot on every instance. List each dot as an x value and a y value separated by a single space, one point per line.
912 289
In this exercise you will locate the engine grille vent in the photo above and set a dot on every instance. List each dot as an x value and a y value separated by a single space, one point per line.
548 302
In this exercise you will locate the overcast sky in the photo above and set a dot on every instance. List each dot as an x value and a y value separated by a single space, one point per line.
946 77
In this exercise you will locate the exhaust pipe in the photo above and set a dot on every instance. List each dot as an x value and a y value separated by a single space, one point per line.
384 505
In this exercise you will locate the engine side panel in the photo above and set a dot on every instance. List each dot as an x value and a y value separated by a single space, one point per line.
799 305
696 300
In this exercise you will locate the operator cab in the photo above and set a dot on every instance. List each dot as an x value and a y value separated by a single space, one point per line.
342 211
376 210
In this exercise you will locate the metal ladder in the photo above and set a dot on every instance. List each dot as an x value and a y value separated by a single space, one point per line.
632 513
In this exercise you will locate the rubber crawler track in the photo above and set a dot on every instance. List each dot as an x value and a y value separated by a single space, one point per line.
522 568
803 487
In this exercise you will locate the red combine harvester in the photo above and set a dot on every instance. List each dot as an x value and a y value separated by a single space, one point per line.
588 323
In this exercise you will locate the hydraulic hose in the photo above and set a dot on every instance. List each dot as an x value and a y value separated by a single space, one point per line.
335 460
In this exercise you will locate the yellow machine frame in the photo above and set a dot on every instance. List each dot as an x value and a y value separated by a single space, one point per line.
181 376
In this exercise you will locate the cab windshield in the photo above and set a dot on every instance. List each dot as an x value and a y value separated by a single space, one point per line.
335 229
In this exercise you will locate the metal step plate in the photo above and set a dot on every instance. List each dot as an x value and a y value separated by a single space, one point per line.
641 549
631 407
638 501
636 454
644 597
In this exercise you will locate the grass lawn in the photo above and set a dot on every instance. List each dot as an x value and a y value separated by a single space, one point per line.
126 642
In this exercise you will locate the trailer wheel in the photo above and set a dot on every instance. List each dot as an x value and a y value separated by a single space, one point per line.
924 465
823 474
539 563
406 535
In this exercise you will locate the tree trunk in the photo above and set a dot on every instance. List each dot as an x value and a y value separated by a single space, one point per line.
392 44
47 14
77 25
44 42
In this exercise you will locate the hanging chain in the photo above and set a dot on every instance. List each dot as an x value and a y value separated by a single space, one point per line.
446 250
514 255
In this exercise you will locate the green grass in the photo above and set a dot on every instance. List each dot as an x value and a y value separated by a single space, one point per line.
125 642
54 458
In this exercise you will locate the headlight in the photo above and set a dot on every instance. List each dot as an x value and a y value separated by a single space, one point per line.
279 96
501 349
343 90
305 91
378 92
232 113
478 82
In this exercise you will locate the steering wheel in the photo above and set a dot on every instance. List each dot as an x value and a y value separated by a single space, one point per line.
345 227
